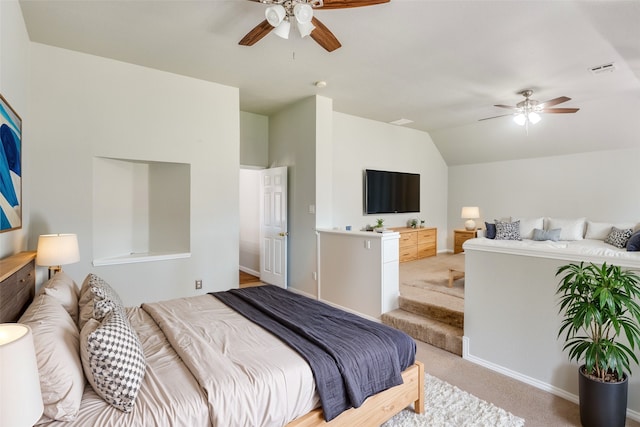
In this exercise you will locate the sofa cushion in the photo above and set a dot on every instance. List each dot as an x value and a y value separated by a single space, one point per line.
572 229
541 235
527 225
508 230
491 230
618 237
633 245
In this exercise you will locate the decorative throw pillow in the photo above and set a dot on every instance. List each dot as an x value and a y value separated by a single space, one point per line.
633 245
64 289
618 237
572 229
491 230
113 359
541 235
55 339
508 230
97 299
527 225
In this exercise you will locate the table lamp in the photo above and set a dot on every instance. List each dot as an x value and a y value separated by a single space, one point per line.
20 396
55 250
470 213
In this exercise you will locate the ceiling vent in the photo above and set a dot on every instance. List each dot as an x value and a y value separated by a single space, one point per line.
401 122
604 68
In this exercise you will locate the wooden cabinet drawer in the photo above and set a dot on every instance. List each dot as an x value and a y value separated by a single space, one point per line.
408 239
426 236
408 253
426 250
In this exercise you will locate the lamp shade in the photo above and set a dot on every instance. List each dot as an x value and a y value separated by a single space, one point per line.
470 212
275 14
20 396
57 249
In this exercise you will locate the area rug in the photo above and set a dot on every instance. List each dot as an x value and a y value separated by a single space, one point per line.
448 406
433 274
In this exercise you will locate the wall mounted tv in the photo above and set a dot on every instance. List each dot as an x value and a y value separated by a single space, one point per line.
391 192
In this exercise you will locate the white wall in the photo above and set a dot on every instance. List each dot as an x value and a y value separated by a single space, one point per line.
292 143
84 106
250 221
14 71
601 186
360 144
254 139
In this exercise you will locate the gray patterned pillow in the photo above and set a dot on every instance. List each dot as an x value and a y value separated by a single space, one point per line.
105 298
113 360
507 230
618 237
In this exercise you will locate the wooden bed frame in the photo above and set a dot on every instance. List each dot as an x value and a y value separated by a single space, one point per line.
17 289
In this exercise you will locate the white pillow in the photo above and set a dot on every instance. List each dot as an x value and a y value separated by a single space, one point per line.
571 229
65 290
56 341
601 230
527 225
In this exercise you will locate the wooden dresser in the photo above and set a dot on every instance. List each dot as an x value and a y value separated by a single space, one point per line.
417 243
17 285
460 236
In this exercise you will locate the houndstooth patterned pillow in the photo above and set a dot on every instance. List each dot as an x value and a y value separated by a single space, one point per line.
105 298
113 360
618 237
507 230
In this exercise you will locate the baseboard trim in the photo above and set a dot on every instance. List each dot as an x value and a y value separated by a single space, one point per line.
250 271
466 354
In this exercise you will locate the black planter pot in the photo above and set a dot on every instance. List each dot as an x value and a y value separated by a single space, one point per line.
602 404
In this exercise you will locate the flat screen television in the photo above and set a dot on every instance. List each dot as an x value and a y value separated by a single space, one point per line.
391 192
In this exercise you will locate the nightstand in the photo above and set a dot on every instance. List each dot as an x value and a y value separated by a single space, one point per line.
460 236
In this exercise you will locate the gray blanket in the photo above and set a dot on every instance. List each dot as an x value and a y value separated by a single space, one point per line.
351 357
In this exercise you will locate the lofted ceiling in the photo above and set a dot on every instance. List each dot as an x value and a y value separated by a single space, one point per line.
441 64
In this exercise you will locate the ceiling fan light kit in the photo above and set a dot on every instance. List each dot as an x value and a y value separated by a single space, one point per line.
528 111
281 14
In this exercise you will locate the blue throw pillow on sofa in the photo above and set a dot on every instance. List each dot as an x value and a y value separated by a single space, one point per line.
491 230
542 235
633 245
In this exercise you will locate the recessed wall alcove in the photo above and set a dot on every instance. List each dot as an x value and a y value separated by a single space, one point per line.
141 211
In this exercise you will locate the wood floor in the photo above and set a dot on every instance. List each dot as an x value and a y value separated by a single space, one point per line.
247 280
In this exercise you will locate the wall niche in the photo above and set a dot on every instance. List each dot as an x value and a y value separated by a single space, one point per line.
141 210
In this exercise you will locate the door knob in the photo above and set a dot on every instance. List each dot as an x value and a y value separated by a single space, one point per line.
283 234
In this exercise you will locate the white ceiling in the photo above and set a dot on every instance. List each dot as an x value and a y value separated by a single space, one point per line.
442 64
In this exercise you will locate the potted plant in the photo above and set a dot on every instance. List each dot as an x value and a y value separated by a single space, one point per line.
600 306
379 227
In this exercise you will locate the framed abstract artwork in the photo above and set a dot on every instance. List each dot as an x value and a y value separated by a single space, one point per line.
10 168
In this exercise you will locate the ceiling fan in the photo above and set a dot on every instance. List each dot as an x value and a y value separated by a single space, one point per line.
527 112
282 13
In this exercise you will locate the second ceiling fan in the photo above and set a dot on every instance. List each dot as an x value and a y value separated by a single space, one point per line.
528 111
282 13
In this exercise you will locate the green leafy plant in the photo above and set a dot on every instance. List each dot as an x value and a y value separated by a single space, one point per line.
600 305
379 223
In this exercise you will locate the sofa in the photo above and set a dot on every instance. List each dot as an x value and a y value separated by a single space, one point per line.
511 308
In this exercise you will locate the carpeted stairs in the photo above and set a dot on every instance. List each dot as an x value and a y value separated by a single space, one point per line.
430 316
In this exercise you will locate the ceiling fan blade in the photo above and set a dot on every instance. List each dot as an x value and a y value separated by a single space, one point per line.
554 101
559 110
506 106
255 35
343 4
495 117
323 36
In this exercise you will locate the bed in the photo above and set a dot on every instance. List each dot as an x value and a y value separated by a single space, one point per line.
202 362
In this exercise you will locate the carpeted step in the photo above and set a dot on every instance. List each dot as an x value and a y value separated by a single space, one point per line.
435 305
434 332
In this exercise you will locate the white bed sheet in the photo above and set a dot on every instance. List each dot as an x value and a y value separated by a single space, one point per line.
251 378
170 395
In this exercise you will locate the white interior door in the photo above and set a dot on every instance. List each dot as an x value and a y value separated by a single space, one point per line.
273 226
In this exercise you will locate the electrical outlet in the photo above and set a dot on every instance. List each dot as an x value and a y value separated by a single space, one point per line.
199 284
